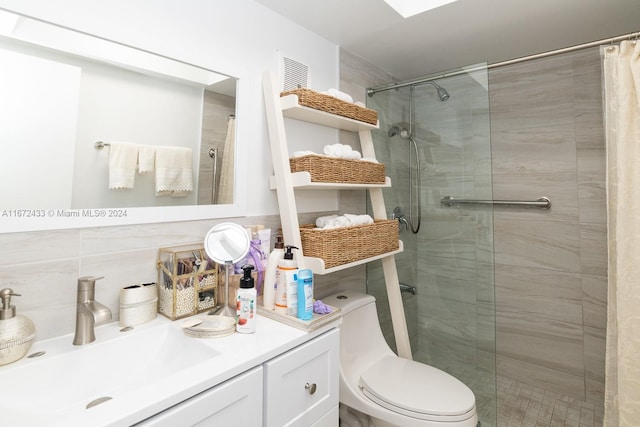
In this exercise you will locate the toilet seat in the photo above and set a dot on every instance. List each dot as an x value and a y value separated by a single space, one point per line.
417 390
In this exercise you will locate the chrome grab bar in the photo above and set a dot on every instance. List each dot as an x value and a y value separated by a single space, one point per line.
542 202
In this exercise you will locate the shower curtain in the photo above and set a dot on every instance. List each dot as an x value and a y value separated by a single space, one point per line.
622 124
225 188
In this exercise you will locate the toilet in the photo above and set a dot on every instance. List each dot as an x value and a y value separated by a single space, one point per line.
391 390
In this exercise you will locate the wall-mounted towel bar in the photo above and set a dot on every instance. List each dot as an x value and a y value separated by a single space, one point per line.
542 202
99 145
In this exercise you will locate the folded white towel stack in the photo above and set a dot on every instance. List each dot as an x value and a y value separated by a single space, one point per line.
174 171
123 159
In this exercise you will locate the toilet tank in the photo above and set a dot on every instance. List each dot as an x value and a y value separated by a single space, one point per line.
361 338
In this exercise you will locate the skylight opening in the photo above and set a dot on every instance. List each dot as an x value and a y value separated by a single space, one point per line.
408 8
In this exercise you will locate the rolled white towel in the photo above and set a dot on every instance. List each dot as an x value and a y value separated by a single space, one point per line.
353 155
341 151
359 219
338 222
322 220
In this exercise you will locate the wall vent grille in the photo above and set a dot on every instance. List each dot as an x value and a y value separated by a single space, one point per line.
293 74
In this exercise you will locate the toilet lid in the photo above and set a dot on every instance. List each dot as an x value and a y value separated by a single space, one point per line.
417 390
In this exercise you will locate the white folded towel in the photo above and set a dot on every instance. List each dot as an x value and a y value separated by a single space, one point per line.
146 158
174 171
123 158
342 151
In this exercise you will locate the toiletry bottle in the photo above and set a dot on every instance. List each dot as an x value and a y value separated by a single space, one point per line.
305 294
246 303
271 275
287 267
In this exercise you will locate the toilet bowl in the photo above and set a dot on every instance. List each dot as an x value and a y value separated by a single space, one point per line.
393 391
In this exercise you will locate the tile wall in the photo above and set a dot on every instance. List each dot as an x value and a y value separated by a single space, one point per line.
44 266
551 266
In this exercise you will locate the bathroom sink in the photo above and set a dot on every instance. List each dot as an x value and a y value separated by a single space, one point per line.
69 379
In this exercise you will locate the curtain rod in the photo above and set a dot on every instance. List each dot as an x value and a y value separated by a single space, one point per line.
371 91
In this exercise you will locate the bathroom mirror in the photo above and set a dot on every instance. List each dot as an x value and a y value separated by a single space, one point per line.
67 92
226 243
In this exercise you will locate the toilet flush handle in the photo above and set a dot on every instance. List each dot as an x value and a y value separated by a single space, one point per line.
311 388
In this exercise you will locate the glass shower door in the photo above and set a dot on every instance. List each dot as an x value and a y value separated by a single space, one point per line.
446 269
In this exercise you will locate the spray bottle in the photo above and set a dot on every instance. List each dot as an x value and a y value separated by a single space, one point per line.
287 268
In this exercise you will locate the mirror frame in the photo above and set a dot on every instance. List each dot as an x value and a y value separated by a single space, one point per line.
26 220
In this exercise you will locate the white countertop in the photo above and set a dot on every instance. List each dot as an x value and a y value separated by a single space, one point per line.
237 353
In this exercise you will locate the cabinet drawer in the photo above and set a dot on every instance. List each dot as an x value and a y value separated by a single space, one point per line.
235 402
301 386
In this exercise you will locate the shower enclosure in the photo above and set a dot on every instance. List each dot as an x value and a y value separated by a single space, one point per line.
434 140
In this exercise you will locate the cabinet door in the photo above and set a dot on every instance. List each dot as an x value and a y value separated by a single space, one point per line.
236 402
301 386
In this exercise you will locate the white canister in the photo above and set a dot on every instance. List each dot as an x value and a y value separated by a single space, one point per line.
138 304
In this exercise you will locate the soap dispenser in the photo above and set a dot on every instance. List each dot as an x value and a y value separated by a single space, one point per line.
246 303
16 332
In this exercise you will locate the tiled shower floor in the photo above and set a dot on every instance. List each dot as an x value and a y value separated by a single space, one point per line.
522 405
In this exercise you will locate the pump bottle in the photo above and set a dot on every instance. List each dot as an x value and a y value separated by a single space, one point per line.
246 303
287 267
271 275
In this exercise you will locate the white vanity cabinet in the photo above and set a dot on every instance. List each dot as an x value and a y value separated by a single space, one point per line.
301 386
296 388
236 402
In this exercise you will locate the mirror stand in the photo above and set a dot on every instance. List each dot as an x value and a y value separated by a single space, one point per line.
226 243
224 309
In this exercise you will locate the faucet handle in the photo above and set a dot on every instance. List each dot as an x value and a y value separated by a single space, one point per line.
86 288
88 281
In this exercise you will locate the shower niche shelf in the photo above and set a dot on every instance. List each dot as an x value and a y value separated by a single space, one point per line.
285 183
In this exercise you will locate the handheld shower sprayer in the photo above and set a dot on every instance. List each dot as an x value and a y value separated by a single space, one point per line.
402 130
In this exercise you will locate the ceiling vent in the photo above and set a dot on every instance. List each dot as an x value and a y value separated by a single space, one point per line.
293 74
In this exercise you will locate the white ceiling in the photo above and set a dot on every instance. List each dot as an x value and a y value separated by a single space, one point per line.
462 33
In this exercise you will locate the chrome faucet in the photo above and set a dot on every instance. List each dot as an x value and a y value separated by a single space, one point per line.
89 312
402 220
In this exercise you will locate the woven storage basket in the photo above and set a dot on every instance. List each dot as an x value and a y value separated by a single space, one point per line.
338 246
331 169
330 104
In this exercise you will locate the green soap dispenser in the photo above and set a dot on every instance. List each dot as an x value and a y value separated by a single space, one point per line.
16 332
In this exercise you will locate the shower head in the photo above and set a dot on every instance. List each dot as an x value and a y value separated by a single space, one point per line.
400 129
442 92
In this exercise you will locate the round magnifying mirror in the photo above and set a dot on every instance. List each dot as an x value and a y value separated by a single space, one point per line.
226 243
